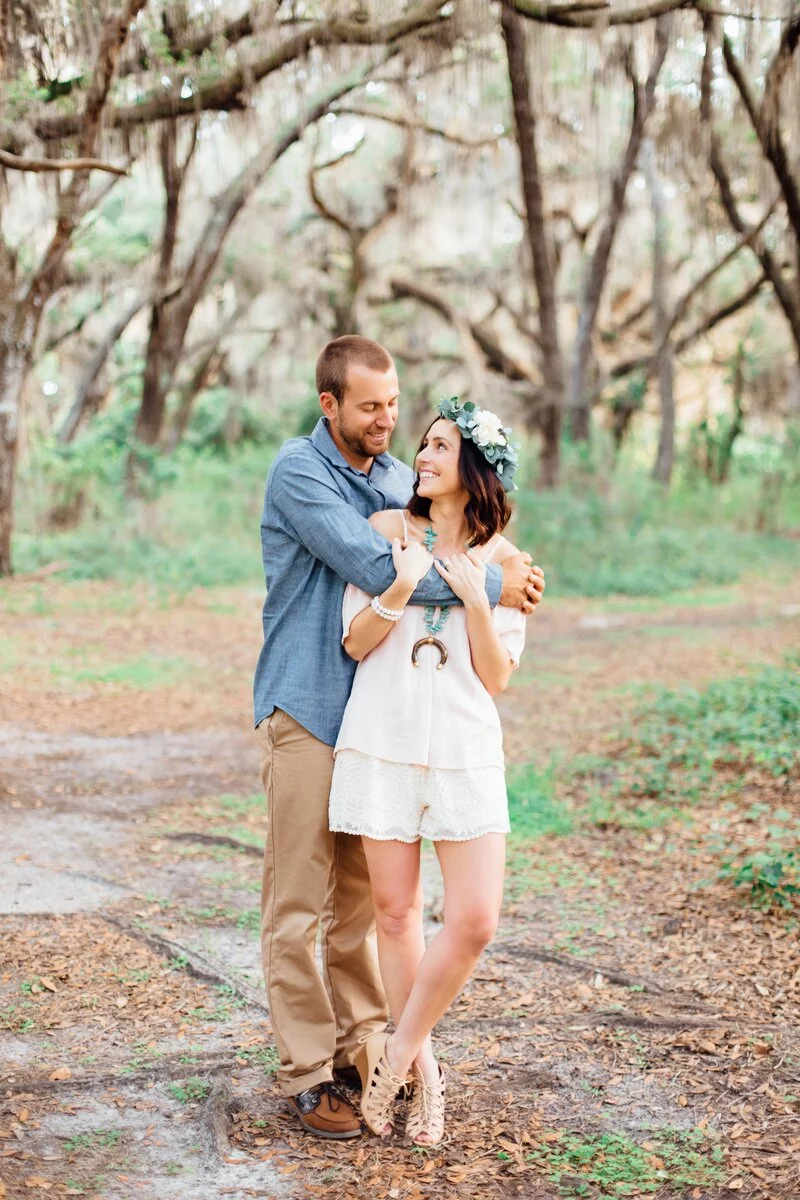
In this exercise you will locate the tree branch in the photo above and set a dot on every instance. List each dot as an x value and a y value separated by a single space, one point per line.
554 14
14 162
496 357
597 267
645 361
772 269
405 122
193 44
768 131
229 92
86 385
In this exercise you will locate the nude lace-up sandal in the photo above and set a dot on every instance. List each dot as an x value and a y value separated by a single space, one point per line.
425 1122
379 1084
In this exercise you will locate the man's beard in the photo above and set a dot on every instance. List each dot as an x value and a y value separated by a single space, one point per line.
357 443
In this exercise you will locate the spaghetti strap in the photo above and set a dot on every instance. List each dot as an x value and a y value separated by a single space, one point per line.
405 525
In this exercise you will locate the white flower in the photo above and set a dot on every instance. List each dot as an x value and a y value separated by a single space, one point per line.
487 430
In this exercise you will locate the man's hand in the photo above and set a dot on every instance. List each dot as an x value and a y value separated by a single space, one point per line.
523 584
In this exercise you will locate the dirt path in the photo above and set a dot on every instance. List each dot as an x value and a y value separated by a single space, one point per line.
622 1006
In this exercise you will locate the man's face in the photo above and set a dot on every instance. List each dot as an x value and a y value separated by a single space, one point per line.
366 417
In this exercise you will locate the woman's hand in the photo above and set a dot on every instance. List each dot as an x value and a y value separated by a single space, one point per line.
411 562
466 575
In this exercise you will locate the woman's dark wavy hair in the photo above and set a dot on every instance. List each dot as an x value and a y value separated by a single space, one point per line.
488 510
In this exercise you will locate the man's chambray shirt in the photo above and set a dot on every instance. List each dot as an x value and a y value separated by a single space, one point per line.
314 540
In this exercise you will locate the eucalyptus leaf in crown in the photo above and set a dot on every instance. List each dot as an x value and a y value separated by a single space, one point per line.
485 429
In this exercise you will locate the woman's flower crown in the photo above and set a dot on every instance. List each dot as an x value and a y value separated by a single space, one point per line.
489 435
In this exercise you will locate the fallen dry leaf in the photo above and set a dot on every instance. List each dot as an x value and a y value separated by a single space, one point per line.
59 1074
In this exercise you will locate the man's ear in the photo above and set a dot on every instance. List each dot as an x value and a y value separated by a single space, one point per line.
329 404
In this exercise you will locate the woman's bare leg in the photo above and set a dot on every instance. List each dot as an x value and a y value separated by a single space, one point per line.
394 869
473 892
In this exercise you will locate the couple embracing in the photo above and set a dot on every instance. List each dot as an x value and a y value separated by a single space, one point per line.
395 611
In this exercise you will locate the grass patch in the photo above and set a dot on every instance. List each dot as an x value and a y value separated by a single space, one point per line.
148 671
265 1057
242 806
619 1166
534 809
190 1090
95 1139
687 745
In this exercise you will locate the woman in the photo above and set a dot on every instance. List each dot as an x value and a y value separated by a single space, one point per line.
420 749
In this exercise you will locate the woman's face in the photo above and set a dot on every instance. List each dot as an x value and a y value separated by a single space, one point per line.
437 461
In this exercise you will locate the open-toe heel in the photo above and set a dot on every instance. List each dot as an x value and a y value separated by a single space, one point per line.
379 1085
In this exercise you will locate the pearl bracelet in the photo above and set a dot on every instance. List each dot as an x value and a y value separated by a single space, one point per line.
388 614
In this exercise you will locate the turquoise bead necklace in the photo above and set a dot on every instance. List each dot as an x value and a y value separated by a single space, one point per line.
433 624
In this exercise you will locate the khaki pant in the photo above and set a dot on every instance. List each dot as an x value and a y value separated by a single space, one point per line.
313 879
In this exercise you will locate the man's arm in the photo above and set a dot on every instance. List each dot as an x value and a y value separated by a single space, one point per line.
334 532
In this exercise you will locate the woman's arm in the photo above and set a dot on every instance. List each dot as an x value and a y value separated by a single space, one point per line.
491 660
368 629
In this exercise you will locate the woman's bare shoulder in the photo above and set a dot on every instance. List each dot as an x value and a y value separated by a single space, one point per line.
389 522
502 550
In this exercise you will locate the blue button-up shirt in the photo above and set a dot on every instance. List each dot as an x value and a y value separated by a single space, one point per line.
315 539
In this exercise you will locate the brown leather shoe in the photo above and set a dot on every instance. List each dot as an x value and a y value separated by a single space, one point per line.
326 1111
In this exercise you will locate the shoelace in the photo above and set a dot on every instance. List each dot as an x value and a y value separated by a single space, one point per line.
337 1095
429 1112
383 1087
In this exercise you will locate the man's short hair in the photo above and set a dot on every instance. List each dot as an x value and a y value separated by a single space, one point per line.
338 355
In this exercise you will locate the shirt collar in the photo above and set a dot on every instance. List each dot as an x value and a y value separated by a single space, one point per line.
322 441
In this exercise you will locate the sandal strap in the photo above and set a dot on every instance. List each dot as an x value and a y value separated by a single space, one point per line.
426 1113
380 1092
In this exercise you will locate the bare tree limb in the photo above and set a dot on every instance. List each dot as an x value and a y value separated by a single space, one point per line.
552 14
597 267
14 162
644 362
496 357
768 131
231 90
177 313
786 295
193 43
86 385
405 122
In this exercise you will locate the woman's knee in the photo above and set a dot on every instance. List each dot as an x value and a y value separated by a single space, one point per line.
396 915
473 929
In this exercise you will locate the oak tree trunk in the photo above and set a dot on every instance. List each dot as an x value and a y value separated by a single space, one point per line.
542 252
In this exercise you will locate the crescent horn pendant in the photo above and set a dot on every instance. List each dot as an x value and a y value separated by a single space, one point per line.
430 641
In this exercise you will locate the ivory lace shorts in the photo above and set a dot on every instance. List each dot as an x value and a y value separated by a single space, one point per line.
403 802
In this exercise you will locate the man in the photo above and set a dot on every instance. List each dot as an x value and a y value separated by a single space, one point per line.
315 539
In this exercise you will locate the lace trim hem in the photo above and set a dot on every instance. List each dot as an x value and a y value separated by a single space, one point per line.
401 835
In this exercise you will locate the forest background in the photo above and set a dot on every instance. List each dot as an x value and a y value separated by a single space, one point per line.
584 215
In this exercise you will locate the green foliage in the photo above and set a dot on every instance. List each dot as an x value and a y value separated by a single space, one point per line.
121 233
192 528
772 880
746 719
190 1090
265 1057
534 809
619 1166
92 1140
633 540
686 745
195 519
